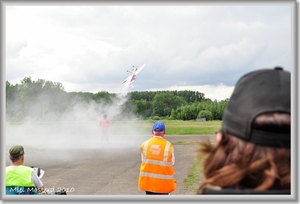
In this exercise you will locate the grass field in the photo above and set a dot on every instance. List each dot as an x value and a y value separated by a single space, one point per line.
133 127
173 127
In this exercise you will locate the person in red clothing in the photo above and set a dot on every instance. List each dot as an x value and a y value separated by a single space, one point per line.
104 124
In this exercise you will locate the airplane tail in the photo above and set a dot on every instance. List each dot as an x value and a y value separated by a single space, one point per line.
131 85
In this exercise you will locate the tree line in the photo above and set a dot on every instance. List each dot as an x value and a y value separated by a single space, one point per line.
43 100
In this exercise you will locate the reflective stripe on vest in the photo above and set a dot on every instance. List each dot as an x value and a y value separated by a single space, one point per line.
156 175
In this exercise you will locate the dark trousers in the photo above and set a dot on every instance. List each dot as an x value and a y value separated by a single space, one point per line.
153 193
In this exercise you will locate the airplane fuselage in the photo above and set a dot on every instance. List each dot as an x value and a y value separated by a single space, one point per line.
130 79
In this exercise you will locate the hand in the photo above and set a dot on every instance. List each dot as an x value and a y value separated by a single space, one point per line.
41 189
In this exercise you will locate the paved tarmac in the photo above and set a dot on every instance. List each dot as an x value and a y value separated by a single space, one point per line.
107 170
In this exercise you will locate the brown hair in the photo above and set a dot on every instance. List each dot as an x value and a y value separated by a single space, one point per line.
234 163
15 158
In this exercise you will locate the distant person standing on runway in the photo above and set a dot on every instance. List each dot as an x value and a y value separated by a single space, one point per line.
104 124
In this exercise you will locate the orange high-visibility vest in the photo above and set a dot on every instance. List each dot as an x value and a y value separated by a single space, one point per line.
156 170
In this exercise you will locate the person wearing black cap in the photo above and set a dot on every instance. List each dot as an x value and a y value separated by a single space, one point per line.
20 179
157 168
252 154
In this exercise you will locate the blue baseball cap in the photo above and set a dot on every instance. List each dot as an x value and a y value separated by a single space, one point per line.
158 126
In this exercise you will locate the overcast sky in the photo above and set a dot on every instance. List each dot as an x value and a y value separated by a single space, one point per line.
199 47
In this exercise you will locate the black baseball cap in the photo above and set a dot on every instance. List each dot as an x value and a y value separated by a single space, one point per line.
258 92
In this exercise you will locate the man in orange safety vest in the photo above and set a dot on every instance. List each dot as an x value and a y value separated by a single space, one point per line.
157 167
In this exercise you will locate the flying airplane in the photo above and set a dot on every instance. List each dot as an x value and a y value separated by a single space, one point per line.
130 79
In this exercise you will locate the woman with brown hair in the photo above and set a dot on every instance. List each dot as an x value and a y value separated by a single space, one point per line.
252 154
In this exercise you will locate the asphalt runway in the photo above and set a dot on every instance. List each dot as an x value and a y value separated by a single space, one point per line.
106 169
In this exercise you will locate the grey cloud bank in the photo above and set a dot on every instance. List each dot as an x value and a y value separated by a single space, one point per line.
89 49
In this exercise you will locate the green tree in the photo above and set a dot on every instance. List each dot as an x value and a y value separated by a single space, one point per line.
142 108
13 104
34 99
205 114
103 97
164 102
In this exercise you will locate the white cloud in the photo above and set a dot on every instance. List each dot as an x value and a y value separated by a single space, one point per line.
90 48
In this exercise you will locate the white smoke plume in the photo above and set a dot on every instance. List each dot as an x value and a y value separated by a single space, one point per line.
78 130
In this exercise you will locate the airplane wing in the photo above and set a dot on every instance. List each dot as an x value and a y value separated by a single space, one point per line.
128 78
140 69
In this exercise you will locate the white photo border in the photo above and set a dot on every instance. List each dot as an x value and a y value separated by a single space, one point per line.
172 198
